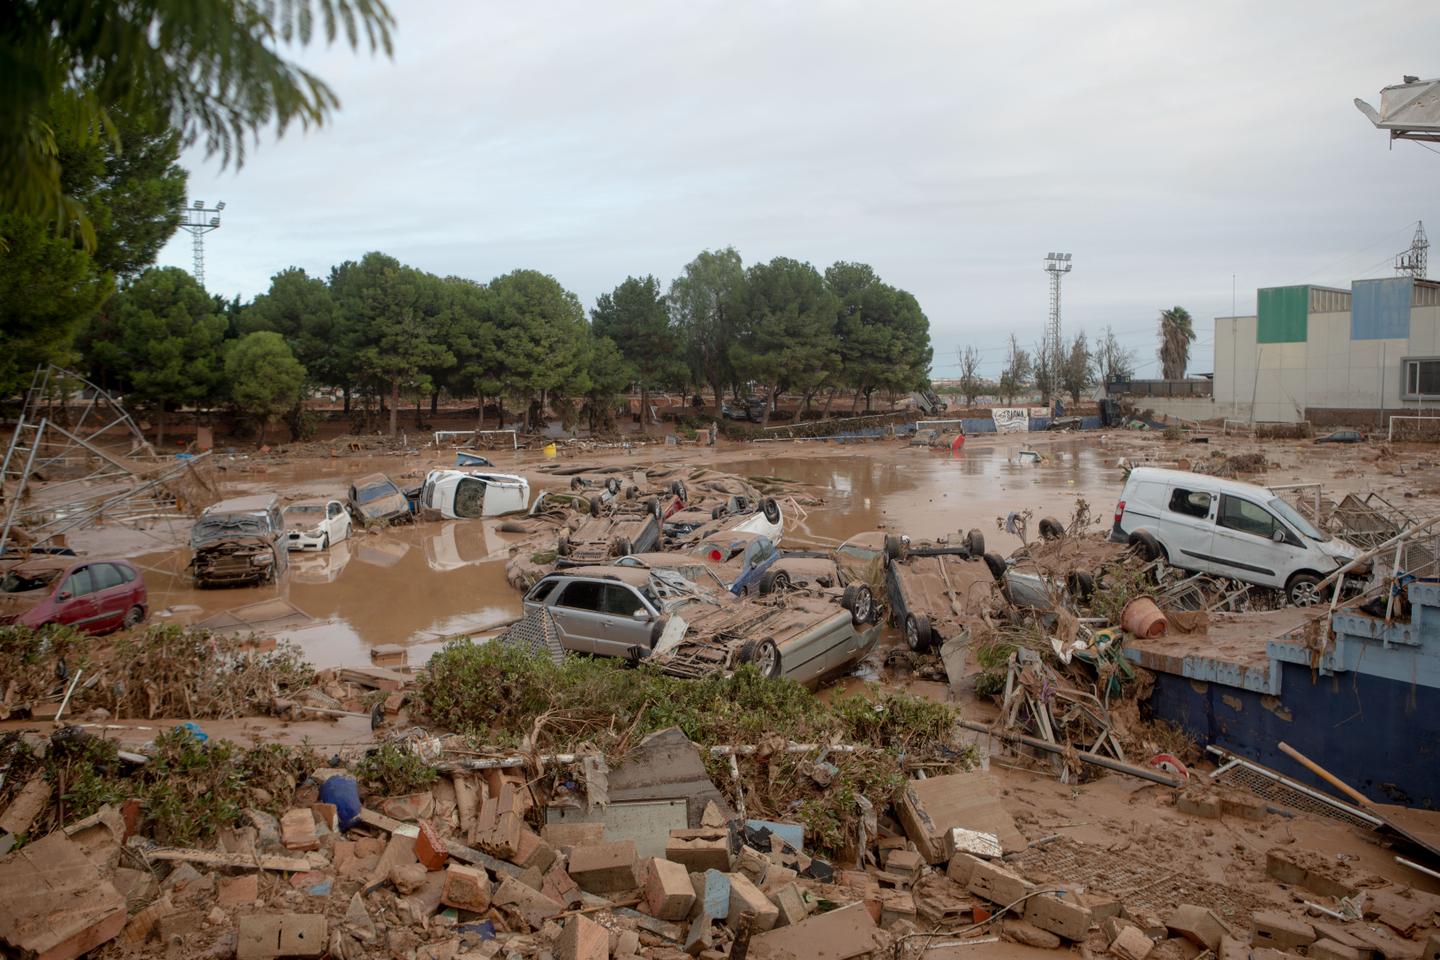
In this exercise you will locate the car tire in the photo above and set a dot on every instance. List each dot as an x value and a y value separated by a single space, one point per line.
772 580
562 547
654 509
633 655
764 654
1080 586
1300 590
771 509
677 487
716 513
623 547
918 635
1146 546
613 485
860 602
595 506
997 566
133 617
893 545
1051 529
631 492
325 542
975 543
577 483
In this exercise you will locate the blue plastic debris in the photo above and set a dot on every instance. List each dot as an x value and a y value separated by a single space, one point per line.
343 792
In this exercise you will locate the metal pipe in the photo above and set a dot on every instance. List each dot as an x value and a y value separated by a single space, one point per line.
1154 776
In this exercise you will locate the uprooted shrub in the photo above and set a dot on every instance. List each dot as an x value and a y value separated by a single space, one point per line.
504 695
162 671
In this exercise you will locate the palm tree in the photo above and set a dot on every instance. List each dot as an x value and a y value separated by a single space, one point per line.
213 66
1177 332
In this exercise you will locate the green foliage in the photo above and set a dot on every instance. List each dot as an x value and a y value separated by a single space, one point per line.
883 335
610 375
634 315
67 71
788 333
302 309
391 770
1177 332
706 306
1016 375
540 334
1075 366
265 378
1112 361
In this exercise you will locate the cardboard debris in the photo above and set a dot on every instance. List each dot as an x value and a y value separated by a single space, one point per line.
54 904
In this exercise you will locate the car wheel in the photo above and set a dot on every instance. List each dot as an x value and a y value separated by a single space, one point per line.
716 513
562 548
765 655
892 546
133 617
1080 585
677 487
860 602
325 542
623 547
771 509
654 508
772 580
975 543
633 655
1051 529
613 485
918 634
1301 592
631 492
594 506
576 483
997 566
1146 546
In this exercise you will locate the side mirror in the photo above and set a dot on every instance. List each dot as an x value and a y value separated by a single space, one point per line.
1278 536
641 614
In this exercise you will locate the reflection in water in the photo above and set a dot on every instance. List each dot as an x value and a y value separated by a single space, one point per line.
321 567
448 548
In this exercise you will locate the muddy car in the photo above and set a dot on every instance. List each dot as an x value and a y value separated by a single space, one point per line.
378 499
468 494
740 515
734 561
239 541
315 524
936 588
603 534
690 631
95 596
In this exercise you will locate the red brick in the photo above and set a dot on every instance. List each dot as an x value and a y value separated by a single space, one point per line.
267 935
429 848
668 891
1131 944
583 939
297 830
530 904
466 888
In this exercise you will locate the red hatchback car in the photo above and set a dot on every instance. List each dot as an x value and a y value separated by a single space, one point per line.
95 596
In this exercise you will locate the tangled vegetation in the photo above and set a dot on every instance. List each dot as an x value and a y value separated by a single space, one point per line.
391 770
505 695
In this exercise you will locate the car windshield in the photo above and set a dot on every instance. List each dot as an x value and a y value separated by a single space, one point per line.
370 494
315 508
16 581
1292 516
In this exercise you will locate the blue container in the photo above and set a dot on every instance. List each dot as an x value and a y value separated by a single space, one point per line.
343 792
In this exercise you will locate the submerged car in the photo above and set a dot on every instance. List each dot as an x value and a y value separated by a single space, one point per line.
737 515
95 596
1342 436
690 631
468 494
239 541
315 524
378 499
735 561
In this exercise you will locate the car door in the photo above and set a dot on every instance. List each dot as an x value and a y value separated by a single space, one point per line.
1244 545
576 613
112 595
75 600
619 628
1187 529
339 521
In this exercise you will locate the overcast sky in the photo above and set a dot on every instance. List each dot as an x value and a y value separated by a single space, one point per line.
1167 146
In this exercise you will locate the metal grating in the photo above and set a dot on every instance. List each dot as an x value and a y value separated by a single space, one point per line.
1267 787
1138 882
536 632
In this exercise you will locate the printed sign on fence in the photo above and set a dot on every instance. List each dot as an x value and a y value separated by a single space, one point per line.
1011 419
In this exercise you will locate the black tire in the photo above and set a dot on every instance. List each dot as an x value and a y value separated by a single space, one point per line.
577 483
918 635
716 513
613 485
1300 590
893 544
634 654
133 617
654 509
732 505
562 547
975 543
325 542
1146 546
771 509
623 547
764 654
997 566
860 602
741 504
1051 529
377 715
595 506
677 487
1080 586
631 492
772 580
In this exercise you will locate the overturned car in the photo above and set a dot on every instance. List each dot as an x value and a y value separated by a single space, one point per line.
468 494
239 541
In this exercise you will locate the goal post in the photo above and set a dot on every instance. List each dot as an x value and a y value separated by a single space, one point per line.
1418 432
447 436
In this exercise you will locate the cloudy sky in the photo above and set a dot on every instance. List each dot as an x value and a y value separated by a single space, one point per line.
1169 147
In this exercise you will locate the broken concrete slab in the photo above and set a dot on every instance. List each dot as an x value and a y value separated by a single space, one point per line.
838 935
930 809
706 848
529 903
56 903
645 823
666 765
267 935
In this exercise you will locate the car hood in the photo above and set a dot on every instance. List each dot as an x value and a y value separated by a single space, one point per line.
303 521
208 530
1339 550
382 507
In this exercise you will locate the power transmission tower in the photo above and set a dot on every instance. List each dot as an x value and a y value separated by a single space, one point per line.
1056 265
194 220
1414 262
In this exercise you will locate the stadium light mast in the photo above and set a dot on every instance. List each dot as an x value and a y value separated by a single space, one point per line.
198 220
1056 265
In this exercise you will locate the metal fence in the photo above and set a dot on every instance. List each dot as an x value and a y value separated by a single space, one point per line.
1161 388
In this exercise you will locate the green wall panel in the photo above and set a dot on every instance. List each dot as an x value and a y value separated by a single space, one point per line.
1283 314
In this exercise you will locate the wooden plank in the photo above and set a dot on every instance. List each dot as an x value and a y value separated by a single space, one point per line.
214 859
455 848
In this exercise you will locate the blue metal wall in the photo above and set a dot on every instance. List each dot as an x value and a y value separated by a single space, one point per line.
1380 309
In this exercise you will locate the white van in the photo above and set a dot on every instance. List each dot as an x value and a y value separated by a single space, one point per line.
1224 527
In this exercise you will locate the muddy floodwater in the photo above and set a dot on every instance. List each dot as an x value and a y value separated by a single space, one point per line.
422 584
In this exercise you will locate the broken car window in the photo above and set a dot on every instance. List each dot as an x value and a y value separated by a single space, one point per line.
1190 502
17 582
469 498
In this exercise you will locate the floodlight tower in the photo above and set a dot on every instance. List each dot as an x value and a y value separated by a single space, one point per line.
1056 265
196 220
1414 262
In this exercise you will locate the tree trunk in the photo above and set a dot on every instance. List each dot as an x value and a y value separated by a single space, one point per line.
719 396
346 392
828 401
804 409
264 422
855 403
765 420
435 404
160 427
499 411
868 394
479 410
394 406
418 421
644 408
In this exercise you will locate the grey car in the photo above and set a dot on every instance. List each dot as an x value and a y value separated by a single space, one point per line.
691 631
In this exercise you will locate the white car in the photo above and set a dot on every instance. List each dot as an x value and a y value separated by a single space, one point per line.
1228 528
316 524
467 494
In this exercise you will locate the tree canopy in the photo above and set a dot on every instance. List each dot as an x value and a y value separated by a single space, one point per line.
1177 332
787 333
265 378
883 335
706 302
